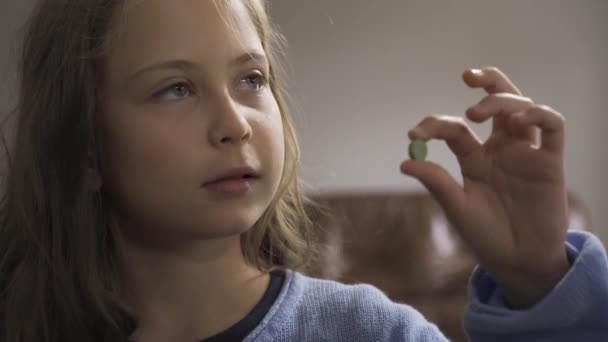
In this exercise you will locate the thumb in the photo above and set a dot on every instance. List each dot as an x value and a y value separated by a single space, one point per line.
448 193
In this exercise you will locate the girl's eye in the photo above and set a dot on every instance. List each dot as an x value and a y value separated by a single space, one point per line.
175 92
253 82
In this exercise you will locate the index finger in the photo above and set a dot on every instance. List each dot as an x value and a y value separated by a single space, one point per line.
491 79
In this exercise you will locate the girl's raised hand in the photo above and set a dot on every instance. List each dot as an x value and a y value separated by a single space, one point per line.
512 208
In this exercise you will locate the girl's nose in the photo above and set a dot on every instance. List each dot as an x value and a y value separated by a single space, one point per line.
230 125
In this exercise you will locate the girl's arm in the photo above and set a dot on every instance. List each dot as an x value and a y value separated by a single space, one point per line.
574 310
512 212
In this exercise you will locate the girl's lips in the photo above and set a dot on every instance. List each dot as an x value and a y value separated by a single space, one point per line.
234 173
231 186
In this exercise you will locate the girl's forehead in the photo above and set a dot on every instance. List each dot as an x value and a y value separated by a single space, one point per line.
161 29
202 7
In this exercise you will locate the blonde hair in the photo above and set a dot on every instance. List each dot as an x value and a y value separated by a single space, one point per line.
285 234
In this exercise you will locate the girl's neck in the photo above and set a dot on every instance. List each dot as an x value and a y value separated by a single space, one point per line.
186 295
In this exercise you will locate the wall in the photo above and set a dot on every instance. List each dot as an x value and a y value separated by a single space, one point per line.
363 72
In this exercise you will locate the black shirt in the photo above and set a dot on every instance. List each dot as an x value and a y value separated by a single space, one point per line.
245 326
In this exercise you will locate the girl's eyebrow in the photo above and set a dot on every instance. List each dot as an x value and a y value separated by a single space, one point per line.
183 64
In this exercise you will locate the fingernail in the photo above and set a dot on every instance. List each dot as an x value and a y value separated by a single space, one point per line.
477 72
414 133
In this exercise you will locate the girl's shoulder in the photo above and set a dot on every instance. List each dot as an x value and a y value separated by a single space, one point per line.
311 309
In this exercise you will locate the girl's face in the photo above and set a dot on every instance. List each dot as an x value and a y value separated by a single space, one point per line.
186 101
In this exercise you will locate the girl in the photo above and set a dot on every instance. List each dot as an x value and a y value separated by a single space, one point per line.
152 194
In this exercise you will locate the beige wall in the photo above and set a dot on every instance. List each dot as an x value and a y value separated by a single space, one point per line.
363 72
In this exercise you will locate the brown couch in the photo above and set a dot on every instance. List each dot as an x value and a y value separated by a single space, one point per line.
403 244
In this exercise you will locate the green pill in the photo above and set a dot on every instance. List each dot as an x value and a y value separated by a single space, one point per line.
418 150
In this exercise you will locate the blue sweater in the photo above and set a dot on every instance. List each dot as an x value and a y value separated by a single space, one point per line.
316 310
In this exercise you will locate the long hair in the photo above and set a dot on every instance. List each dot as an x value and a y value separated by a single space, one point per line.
58 274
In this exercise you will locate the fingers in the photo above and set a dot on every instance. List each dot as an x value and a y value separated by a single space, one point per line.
448 193
503 103
550 122
491 79
499 106
494 81
459 137
461 140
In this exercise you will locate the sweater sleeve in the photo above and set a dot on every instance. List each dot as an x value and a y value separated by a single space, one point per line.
575 310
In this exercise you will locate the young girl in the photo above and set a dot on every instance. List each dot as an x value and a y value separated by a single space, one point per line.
152 194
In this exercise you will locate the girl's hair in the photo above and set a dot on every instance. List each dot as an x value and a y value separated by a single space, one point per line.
58 276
